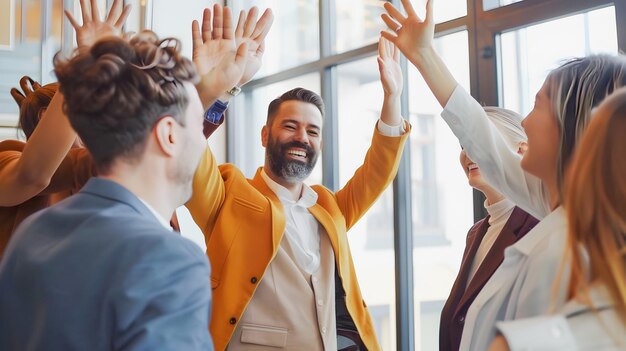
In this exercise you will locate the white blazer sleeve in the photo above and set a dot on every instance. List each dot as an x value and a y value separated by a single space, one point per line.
498 163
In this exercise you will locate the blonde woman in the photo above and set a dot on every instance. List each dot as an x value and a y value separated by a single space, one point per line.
522 285
595 202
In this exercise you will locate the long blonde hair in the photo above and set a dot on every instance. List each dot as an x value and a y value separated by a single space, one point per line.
575 88
595 201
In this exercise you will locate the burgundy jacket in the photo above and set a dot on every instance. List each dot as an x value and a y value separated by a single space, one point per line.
453 314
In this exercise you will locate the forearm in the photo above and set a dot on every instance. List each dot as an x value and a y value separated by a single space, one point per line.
436 74
390 113
41 157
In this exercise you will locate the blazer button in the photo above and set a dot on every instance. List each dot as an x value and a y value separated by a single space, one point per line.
232 320
461 319
254 280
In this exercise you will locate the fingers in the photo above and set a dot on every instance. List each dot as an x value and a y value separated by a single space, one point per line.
196 36
251 21
391 37
122 20
394 13
206 25
396 52
391 24
240 24
217 21
95 12
228 30
381 49
242 54
114 12
85 10
263 26
429 10
72 20
408 8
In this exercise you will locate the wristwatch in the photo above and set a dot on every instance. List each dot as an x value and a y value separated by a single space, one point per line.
215 113
234 91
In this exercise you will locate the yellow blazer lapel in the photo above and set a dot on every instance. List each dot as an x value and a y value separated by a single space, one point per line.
278 215
327 222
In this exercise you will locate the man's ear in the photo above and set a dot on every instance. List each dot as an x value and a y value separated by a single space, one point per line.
265 133
165 135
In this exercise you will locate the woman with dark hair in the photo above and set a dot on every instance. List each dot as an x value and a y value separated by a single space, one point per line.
522 285
595 204
43 170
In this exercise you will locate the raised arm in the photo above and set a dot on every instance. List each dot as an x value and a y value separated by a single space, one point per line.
464 115
414 37
214 42
383 157
26 176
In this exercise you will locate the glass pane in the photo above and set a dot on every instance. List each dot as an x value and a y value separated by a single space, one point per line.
173 19
251 116
528 54
441 198
492 4
358 23
444 10
295 36
371 239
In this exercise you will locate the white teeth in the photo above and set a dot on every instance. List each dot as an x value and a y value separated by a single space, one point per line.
472 166
297 153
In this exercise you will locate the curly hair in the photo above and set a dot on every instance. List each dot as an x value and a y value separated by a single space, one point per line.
117 91
32 101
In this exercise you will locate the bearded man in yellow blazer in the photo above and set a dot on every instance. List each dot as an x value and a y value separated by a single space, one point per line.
282 272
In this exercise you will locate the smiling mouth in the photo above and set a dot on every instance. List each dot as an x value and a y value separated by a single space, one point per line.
472 167
298 154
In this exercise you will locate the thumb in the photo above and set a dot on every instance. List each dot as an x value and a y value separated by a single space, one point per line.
242 54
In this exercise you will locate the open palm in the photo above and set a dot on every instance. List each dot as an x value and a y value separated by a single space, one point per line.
93 28
389 67
253 33
409 33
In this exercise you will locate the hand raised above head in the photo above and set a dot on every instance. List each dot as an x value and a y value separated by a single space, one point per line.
410 34
389 67
93 28
253 32
215 40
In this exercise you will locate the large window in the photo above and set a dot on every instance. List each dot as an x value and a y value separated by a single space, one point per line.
359 103
499 50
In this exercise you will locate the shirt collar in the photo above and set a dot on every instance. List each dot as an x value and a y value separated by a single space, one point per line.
159 218
308 197
553 222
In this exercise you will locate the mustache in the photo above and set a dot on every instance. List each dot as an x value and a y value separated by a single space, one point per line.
309 150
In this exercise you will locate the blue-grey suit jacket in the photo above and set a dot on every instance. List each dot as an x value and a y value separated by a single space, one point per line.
99 272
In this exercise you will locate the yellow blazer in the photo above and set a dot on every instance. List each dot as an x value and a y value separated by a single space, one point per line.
243 223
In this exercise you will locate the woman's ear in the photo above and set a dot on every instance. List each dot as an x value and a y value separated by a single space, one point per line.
164 132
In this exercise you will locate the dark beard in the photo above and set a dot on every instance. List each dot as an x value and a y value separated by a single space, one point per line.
290 170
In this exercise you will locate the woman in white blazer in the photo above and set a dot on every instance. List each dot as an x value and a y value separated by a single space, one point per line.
522 285
595 199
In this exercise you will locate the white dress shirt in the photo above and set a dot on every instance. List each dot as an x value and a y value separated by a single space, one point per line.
499 214
575 327
159 218
301 228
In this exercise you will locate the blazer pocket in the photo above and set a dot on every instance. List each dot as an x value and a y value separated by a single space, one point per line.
264 335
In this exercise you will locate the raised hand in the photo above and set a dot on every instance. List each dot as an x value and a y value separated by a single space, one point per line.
219 61
410 34
253 32
389 68
93 28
